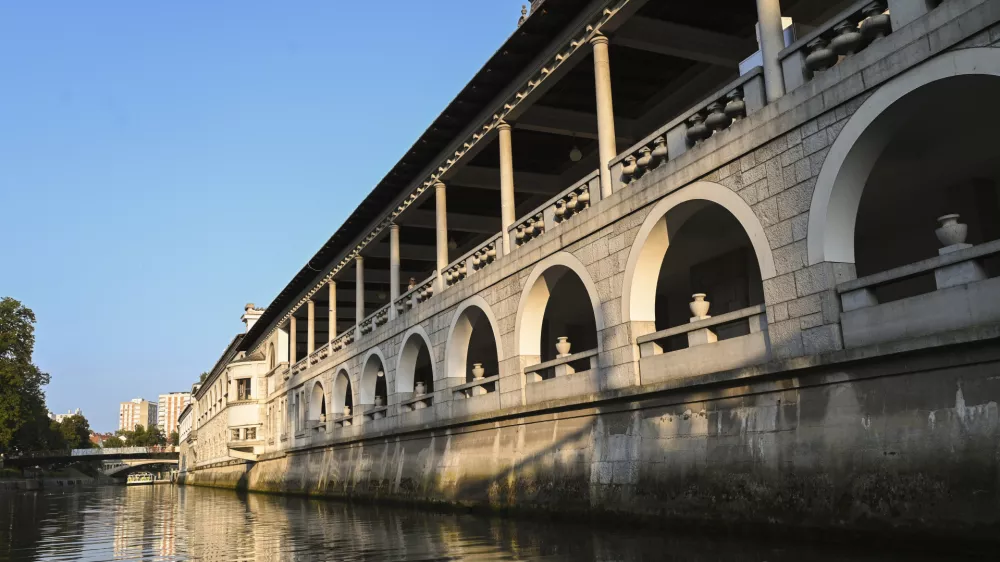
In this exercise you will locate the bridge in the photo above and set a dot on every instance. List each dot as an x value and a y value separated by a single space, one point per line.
166 454
125 467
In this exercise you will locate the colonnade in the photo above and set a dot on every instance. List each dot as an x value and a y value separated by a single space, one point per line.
771 43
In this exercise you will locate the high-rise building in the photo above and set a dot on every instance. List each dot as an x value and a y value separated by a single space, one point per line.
136 412
169 410
58 418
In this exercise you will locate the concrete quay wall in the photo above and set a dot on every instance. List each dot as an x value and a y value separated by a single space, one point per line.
908 441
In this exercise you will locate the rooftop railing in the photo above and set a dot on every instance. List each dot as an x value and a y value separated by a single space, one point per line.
847 33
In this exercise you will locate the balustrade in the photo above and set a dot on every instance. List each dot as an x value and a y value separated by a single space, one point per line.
558 209
347 338
477 387
374 320
473 261
319 354
842 36
566 364
718 112
417 294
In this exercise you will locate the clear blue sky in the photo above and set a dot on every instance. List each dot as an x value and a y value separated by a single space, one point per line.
163 163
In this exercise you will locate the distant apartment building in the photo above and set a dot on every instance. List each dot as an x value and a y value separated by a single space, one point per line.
58 418
169 410
136 412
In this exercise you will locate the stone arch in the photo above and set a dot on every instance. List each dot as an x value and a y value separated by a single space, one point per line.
409 352
535 296
841 181
342 394
373 363
652 241
470 313
317 401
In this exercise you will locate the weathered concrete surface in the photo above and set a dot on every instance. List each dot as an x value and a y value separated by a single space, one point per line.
911 442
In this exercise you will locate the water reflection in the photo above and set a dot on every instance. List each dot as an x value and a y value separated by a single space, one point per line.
169 523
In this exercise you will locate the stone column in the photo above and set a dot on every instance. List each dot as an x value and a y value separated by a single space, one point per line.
310 327
333 310
292 340
605 111
772 41
506 184
442 232
359 291
393 268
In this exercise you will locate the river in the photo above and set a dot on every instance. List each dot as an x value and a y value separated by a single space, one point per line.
165 522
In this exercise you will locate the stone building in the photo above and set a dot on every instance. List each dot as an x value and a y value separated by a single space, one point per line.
628 269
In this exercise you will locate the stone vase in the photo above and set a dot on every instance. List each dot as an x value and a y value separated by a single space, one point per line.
478 371
562 345
951 231
420 389
379 401
699 306
347 410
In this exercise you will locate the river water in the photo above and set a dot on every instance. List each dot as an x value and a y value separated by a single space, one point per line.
165 522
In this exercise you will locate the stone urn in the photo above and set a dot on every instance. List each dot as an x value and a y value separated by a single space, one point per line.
699 306
379 401
420 389
322 418
562 346
347 410
478 371
951 231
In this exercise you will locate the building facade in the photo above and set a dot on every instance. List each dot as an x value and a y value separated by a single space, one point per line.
58 418
136 412
621 274
168 410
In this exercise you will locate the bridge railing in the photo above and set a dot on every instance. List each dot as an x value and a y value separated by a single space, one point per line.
110 451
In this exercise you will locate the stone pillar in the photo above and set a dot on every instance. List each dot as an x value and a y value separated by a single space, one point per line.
292 340
506 184
310 327
393 267
359 291
442 232
333 310
772 41
605 111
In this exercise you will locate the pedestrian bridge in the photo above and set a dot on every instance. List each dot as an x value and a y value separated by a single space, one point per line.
36 458
125 467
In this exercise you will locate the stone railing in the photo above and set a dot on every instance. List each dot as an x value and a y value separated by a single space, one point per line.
473 261
417 402
417 294
286 373
300 365
558 209
848 32
374 320
376 412
718 112
321 353
699 331
343 421
345 339
476 387
563 365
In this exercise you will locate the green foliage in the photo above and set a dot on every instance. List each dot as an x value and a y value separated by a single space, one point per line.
142 437
113 442
175 438
202 377
24 422
75 432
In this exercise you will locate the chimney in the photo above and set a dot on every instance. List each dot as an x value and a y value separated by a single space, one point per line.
250 315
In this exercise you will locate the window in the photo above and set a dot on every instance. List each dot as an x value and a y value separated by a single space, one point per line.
236 435
250 433
243 389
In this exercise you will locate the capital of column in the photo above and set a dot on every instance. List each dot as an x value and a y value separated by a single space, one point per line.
439 185
503 126
359 258
393 226
599 39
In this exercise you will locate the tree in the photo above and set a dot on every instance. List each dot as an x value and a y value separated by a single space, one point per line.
202 377
75 432
113 442
142 437
24 422
175 438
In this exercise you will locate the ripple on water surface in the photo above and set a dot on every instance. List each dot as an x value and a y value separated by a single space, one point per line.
160 523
